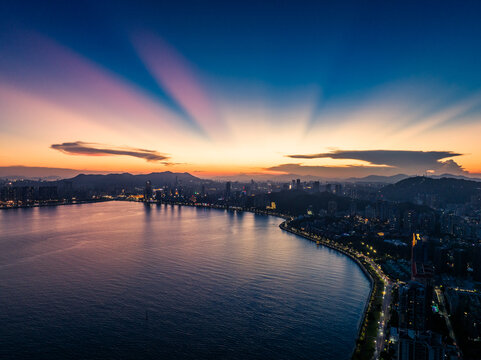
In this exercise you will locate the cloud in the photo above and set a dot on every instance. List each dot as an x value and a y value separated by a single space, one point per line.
93 149
333 171
451 167
384 157
402 160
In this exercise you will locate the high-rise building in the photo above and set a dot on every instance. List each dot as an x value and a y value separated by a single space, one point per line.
47 193
148 190
25 194
409 221
298 184
412 306
228 186
419 346
253 185
421 269
338 189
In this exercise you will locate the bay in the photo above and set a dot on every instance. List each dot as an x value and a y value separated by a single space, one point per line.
121 280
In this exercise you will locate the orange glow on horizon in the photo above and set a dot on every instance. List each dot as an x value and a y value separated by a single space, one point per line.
249 134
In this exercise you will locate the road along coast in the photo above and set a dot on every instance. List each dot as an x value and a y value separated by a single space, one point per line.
367 340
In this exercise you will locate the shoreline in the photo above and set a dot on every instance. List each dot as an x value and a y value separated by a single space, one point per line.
363 324
371 276
78 202
360 347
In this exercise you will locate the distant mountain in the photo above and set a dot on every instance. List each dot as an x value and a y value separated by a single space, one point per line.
44 173
396 178
265 177
129 181
382 179
379 179
445 190
288 178
452 176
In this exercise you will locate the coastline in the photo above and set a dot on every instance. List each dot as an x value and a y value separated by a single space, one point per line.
79 202
361 350
289 261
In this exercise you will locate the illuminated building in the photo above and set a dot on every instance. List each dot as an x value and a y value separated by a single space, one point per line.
420 269
412 306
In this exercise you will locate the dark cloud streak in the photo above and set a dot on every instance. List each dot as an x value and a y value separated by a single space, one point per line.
93 149
380 162
397 158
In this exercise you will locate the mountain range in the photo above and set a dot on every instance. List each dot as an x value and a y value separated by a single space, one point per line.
128 180
51 174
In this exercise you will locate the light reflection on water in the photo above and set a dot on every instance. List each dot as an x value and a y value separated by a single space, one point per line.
122 280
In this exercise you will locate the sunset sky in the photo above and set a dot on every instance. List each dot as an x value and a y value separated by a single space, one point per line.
334 89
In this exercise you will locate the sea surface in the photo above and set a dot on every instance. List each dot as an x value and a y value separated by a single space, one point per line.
121 280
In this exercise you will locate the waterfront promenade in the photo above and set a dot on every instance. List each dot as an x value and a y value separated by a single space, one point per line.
372 330
53 203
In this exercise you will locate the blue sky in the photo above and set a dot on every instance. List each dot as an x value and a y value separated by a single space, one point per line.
343 46
340 56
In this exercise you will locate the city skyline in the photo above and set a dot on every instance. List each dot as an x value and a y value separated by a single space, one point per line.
328 90
240 180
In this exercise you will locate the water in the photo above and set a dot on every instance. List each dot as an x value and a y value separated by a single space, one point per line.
121 280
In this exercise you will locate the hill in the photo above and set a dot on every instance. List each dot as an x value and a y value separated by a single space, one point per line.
444 190
379 179
127 180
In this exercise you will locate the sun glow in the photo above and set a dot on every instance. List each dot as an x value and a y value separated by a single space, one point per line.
212 129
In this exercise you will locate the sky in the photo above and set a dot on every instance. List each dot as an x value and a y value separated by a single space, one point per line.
328 89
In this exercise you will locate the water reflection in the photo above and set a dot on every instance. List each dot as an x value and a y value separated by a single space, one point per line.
147 208
215 283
